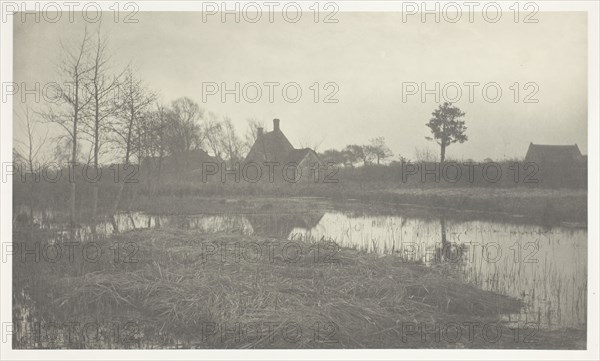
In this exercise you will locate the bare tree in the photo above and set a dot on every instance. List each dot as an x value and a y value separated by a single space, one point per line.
101 88
74 69
232 145
378 149
424 155
358 153
252 132
188 115
213 135
336 157
314 145
185 130
31 148
156 142
132 106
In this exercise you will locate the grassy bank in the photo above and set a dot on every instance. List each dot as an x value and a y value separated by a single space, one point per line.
534 203
547 206
542 206
189 289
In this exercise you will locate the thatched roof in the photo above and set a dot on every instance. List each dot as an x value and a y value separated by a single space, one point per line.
184 161
540 153
296 155
275 147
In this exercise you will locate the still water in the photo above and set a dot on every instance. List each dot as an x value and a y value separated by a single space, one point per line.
544 267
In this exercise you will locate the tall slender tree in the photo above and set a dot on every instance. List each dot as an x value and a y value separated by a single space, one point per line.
74 70
133 103
101 88
31 148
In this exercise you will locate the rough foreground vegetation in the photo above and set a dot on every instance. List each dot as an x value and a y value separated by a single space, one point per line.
179 290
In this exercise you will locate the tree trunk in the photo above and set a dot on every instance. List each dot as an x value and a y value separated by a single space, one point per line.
31 196
96 151
121 182
94 207
74 157
158 173
443 144
443 153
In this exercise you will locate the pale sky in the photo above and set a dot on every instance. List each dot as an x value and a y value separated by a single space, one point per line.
369 56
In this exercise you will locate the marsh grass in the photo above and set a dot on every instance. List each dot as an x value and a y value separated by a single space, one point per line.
173 292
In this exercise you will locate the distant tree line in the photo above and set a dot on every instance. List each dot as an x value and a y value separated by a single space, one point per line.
376 152
110 114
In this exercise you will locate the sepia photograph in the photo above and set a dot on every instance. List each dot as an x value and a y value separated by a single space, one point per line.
371 179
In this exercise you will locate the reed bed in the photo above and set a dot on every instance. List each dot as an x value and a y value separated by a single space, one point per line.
339 299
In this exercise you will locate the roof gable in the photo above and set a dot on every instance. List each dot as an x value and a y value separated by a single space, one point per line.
553 153
275 147
270 147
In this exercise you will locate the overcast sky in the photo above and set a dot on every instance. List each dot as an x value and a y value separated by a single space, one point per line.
369 56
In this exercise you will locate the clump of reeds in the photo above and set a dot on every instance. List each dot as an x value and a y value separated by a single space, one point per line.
350 298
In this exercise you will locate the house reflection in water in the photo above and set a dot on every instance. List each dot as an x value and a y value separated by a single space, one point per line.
281 225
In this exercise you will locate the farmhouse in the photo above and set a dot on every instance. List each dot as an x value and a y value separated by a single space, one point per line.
275 147
553 154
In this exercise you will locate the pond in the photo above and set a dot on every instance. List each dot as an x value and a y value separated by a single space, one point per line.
544 267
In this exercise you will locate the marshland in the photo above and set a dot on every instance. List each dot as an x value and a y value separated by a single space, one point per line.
132 229
197 271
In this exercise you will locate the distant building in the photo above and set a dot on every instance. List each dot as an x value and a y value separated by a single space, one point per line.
553 154
557 165
180 162
275 147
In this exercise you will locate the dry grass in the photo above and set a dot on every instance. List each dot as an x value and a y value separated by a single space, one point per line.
173 290
179 298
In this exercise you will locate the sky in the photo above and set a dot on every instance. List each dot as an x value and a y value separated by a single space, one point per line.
369 58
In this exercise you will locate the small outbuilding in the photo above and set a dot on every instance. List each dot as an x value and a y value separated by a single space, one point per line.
553 154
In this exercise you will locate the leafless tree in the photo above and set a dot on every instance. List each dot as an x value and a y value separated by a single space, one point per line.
314 145
156 142
357 153
378 149
252 132
232 145
188 115
213 135
73 69
30 148
101 88
425 155
134 101
184 131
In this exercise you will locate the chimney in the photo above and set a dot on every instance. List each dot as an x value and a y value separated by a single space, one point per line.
275 124
259 131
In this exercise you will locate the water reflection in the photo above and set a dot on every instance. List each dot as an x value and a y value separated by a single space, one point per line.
545 267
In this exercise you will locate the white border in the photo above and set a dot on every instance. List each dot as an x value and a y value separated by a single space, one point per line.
592 353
